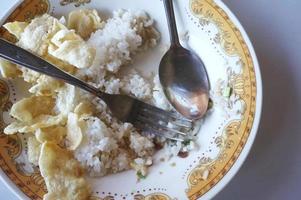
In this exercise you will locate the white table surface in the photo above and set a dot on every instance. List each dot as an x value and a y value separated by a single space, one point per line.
273 168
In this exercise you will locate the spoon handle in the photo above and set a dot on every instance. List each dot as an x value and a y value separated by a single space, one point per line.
26 59
172 25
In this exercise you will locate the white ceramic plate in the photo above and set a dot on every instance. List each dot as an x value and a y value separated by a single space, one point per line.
226 136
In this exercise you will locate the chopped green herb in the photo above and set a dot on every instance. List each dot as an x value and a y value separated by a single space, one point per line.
227 92
186 142
140 175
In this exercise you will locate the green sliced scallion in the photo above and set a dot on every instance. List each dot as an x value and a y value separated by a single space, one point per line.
227 92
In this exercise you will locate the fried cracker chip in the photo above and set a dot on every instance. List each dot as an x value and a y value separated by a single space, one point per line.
53 134
84 22
27 109
56 27
16 28
71 48
43 121
34 148
14 127
29 76
63 174
9 70
35 34
46 86
74 132
67 99
84 108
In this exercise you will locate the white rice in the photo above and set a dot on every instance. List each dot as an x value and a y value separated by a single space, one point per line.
110 146
137 86
121 37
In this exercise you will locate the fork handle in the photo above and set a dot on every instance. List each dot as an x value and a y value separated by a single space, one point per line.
26 59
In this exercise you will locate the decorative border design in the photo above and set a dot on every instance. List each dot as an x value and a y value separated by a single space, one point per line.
76 3
236 133
152 196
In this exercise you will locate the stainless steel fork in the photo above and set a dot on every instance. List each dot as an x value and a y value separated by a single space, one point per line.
149 119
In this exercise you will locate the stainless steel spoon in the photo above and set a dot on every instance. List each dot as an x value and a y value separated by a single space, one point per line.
182 74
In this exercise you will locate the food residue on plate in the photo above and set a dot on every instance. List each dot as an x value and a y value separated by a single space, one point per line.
173 164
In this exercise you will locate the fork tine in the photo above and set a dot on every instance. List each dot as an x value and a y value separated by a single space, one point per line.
182 124
166 120
163 122
146 129
154 123
153 120
165 115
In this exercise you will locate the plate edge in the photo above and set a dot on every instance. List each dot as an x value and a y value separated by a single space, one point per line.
259 100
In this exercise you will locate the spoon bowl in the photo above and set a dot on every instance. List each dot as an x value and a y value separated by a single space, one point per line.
182 75
184 81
